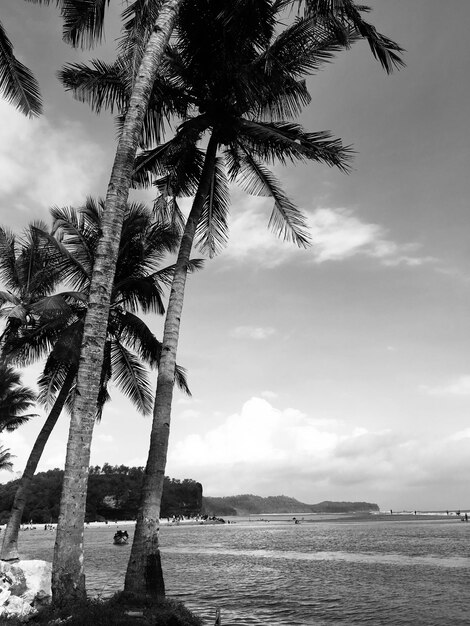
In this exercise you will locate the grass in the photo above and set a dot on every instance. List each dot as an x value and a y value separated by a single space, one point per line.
120 610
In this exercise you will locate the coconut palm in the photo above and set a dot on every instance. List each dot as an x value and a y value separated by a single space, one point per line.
299 50
242 105
68 573
58 333
146 35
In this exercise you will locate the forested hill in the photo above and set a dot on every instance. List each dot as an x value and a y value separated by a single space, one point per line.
114 491
113 494
252 505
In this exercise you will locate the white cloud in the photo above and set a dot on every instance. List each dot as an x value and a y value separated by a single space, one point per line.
252 332
336 234
269 451
269 395
44 163
458 387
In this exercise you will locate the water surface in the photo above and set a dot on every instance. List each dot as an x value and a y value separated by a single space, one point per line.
280 574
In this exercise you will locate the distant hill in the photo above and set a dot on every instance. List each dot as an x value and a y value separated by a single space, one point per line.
248 504
114 491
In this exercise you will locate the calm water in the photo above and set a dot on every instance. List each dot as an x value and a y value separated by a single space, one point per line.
280 574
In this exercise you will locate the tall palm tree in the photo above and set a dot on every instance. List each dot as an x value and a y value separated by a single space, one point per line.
68 579
58 333
298 51
147 32
242 105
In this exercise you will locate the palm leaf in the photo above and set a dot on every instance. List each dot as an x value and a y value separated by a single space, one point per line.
8 269
102 86
286 140
83 21
286 220
17 83
131 377
339 16
212 229
5 459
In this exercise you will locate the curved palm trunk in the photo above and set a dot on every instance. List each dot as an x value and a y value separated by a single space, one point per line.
144 574
10 538
68 577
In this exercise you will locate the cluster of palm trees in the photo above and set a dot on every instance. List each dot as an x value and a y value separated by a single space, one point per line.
230 77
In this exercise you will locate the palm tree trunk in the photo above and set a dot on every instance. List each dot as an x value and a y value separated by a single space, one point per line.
68 577
10 538
144 574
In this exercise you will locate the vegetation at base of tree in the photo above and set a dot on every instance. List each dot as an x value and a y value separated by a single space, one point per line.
116 611
248 504
113 494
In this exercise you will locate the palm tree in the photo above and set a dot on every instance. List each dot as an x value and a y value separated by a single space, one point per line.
58 333
232 99
299 50
147 33
68 576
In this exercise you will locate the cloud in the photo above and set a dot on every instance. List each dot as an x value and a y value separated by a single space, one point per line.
252 332
44 164
337 234
269 395
270 451
458 387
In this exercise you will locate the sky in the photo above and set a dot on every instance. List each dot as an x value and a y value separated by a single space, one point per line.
340 372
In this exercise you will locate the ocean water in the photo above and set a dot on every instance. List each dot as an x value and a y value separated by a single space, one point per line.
277 573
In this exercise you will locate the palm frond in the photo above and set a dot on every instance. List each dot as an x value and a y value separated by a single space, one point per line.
286 140
101 85
286 220
212 229
139 19
83 21
17 83
182 380
177 164
131 377
340 16
6 459
8 269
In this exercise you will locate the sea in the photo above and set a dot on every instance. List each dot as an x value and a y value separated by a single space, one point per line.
323 570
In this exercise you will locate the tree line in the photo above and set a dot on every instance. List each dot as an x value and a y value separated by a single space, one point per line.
230 77
113 494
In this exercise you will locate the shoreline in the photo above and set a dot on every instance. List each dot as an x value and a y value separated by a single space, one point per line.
277 518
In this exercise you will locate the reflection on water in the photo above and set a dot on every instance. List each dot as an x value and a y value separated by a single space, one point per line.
280 574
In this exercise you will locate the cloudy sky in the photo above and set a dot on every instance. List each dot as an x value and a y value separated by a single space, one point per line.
339 372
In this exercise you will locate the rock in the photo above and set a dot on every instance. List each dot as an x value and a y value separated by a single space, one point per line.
24 586
16 606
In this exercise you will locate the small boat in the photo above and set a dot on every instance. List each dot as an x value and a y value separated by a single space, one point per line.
120 538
